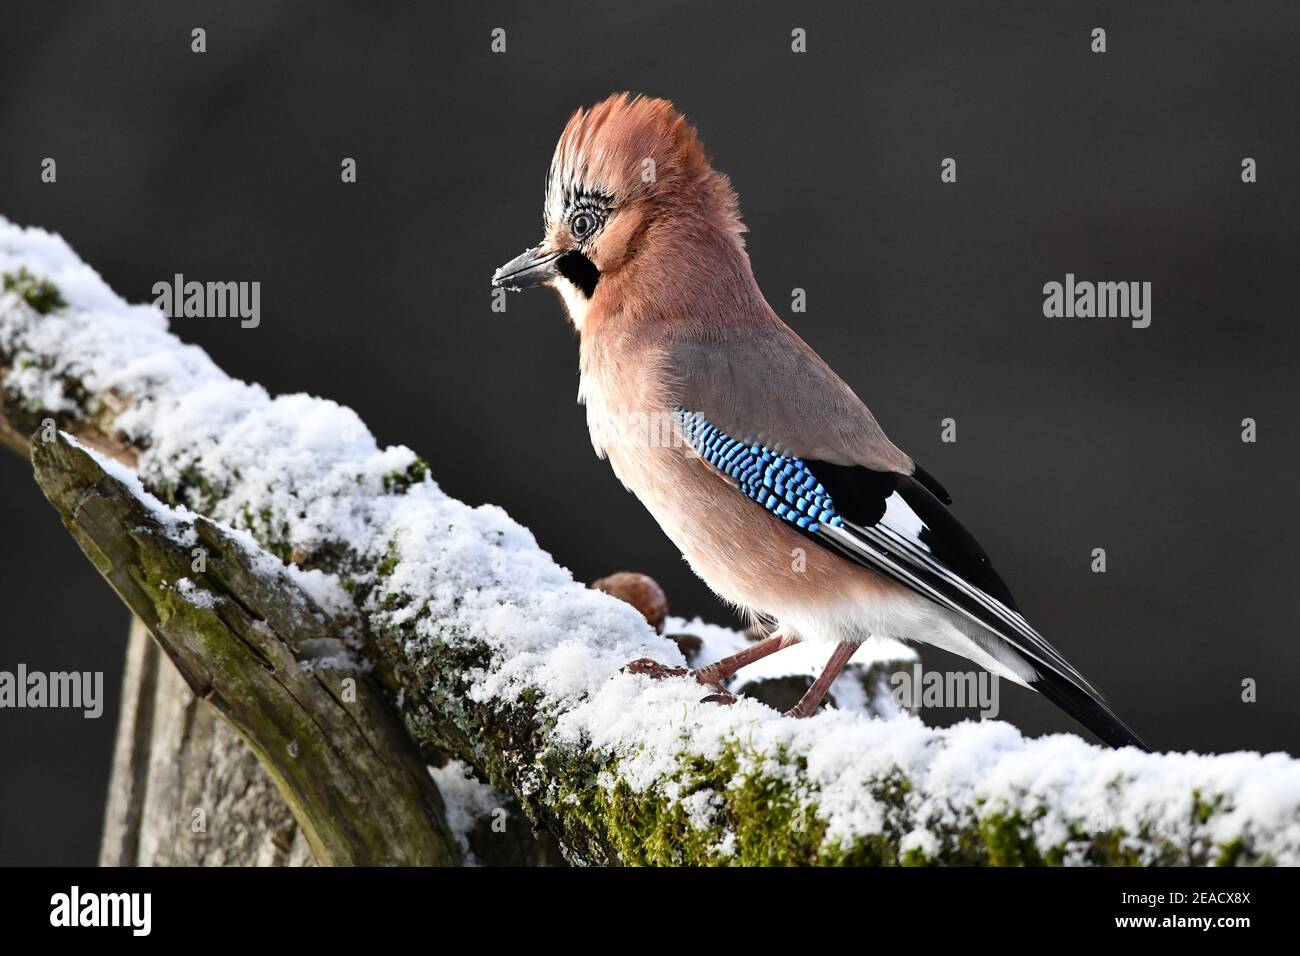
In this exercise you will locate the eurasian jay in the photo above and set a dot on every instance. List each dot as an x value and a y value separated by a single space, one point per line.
763 467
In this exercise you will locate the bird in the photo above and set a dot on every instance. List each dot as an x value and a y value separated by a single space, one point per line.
764 468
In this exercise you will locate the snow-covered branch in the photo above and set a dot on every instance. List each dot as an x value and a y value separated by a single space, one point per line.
246 636
499 658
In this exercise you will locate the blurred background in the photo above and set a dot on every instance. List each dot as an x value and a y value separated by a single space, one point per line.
1072 434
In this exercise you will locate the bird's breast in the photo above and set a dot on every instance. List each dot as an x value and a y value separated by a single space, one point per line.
628 402
745 554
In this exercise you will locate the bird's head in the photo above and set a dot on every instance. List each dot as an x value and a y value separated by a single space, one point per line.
630 193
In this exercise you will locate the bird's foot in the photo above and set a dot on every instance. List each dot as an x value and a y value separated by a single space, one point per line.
656 671
719 696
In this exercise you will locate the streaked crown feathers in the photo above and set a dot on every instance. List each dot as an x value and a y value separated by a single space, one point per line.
629 148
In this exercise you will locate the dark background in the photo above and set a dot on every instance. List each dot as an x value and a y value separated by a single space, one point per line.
1072 433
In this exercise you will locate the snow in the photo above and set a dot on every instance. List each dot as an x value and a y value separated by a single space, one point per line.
177 523
472 576
466 801
194 594
802 660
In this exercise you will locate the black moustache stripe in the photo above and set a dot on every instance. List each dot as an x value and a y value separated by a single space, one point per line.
579 270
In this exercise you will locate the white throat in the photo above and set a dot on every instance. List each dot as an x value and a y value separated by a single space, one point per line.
574 301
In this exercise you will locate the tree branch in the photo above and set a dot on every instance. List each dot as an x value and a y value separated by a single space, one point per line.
237 632
498 658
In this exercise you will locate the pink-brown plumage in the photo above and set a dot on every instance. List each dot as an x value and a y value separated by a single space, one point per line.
656 336
644 243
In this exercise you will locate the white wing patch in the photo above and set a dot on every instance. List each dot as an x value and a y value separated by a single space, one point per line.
895 546
902 520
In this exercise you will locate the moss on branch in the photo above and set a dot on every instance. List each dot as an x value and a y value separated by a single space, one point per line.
41 294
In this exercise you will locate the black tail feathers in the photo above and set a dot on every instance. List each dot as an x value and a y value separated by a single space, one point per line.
1087 710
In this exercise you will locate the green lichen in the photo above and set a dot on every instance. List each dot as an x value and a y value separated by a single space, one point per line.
271 532
387 566
754 817
399 482
1232 853
1008 840
1202 809
40 293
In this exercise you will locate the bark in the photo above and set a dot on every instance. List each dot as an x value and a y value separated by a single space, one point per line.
360 792
185 789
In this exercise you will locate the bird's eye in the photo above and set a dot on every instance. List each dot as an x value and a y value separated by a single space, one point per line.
583 225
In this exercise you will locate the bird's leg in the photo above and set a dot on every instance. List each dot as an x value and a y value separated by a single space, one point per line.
719 671
810 701
714 674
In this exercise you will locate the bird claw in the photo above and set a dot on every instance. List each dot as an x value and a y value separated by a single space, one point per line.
656 671
653 669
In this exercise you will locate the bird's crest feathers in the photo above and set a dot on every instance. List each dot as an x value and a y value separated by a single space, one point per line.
627 148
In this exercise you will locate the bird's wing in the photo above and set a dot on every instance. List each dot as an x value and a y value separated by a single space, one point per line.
882 520
765 410
762 383
807 410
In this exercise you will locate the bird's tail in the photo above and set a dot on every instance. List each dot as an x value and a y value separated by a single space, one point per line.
1092 712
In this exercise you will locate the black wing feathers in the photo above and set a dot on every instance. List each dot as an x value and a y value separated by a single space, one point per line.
951 543
928 480
860 495
1090 712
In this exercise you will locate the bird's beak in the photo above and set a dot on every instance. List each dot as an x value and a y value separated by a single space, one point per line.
525 271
